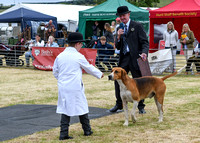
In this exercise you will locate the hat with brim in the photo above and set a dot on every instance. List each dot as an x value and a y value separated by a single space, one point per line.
75 37
122 10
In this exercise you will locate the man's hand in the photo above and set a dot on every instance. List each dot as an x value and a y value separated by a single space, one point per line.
143 56
120 32
102 75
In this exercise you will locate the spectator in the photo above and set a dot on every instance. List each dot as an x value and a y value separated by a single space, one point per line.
170 37
26 33
118 21
67 69
51 42
187 40
50 29
96 30
113 26
41 31
108 34
37 43
105 51
195 59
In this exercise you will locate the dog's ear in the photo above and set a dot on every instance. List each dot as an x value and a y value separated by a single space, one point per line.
123 74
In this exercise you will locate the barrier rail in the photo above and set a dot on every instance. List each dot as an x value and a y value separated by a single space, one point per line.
19 56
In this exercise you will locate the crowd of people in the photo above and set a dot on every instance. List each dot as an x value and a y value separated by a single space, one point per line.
44 38
106 39
108 55
107 60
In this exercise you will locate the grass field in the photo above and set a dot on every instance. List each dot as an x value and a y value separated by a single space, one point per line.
181 109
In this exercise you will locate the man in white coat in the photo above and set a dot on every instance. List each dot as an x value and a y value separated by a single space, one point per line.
67 70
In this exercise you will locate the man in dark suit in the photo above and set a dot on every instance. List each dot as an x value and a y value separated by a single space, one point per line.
132 43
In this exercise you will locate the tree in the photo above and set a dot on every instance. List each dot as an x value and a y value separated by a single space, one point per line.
143 3
100 1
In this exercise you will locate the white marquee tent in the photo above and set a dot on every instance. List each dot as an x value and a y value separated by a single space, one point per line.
66 14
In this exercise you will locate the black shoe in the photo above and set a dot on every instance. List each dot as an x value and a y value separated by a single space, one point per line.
88 133
115 108
142 111
65 138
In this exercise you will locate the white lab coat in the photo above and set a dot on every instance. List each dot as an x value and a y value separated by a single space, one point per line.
67 70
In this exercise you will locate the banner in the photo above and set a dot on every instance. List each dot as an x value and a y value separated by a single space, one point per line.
160 61
44 56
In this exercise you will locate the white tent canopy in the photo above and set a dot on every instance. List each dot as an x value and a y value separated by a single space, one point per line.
61 11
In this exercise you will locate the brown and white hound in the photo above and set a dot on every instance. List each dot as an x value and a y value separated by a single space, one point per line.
134 90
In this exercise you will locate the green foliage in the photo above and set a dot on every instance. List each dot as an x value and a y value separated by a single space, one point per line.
100 1
143 3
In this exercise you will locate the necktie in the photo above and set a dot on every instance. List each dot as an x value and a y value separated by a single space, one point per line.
124 40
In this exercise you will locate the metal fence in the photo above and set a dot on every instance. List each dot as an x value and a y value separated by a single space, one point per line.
19 56
12 55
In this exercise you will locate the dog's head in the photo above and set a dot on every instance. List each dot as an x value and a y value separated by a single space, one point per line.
117 73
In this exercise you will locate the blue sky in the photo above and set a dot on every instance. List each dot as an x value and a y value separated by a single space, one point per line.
9 2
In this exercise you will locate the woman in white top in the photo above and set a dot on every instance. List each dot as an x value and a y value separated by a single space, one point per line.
170 37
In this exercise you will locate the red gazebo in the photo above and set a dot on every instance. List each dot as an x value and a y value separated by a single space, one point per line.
179 12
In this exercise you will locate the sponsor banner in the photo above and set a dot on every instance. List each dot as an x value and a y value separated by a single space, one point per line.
44 56
173 14
97 15
160 61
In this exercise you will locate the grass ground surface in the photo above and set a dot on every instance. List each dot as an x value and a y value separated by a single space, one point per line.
181 109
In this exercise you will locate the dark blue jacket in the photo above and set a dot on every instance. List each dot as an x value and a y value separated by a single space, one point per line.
106 49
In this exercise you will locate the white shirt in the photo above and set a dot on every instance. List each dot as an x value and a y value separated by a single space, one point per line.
127 24
170 38
67 69
36 44
39 44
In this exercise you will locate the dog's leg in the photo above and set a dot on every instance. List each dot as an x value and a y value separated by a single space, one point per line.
160 109
135 104
125 105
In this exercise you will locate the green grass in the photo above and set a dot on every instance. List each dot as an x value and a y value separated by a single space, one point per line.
181 109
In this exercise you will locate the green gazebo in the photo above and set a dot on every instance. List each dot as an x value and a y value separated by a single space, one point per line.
107 12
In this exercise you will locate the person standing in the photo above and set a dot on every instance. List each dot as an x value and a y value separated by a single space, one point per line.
187 40
96 30
113 26
108 34
170 37
41 30
67 69
50 29
132 43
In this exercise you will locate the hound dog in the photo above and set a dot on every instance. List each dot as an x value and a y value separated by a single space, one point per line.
134 90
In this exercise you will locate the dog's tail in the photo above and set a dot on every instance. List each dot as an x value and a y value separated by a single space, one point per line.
173 74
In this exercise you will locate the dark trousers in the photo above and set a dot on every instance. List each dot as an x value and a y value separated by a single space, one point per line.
196 62
64 124
126 64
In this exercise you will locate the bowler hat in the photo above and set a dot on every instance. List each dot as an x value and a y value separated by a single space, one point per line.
75 37
122 10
